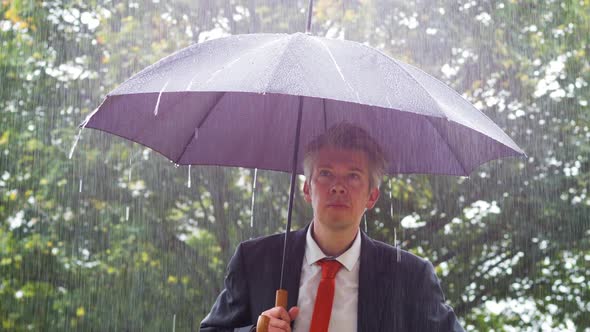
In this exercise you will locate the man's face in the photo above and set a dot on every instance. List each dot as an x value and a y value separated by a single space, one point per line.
339 188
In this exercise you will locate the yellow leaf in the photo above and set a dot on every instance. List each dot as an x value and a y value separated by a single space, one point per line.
80 312
98 204
34 144
172 279
12 15
4 138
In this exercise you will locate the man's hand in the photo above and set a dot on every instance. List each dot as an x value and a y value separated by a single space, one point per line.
280 319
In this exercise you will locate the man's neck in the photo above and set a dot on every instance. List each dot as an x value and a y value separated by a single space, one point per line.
333 243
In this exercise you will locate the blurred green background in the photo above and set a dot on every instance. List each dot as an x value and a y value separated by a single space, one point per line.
114 239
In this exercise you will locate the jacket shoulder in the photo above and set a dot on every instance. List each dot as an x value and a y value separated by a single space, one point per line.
400 257
268 247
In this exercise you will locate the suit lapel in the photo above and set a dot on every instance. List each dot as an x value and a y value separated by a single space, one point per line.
371 294
296 251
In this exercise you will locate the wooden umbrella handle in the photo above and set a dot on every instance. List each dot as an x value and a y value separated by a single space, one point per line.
280 300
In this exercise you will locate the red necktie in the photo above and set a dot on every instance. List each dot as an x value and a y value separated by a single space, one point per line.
325 296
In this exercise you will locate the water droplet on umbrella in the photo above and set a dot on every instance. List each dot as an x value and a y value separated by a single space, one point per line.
160 96
388 102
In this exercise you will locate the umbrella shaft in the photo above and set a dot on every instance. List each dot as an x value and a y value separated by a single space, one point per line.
309 12
292 189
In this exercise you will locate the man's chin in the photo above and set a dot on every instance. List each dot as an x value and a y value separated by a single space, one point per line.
340 223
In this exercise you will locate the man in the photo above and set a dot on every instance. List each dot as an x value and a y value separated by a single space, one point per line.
338 279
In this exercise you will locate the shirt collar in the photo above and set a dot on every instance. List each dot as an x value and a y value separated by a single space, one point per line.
348 259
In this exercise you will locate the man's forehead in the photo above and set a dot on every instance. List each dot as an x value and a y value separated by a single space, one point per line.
352 158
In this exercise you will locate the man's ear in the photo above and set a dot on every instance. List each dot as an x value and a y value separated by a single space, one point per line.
307 191
373 197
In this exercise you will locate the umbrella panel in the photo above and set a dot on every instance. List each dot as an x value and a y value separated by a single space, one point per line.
258 130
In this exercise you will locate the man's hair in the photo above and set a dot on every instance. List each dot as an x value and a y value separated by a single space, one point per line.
350 137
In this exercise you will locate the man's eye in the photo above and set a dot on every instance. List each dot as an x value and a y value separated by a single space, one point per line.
324 173
355 176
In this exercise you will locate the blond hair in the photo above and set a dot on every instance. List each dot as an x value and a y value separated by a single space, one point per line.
349 137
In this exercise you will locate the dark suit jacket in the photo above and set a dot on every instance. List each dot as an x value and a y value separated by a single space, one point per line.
392 296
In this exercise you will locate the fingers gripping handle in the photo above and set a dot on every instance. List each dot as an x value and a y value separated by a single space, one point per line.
280 300
262 324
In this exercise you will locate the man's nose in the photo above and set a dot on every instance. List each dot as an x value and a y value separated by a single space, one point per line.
338 187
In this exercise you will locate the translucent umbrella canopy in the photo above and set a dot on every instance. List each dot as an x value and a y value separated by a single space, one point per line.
234 101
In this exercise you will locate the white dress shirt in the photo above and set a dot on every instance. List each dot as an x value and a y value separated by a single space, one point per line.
344 309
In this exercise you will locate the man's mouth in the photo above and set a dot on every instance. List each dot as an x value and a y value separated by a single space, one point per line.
338 205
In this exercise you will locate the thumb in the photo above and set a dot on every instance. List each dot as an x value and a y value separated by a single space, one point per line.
293 312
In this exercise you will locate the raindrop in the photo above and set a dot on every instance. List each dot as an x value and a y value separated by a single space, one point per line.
396 244
174 323
391 199
80 187
253 195
391 214
366 227
127 213
188 184
82 126
75 143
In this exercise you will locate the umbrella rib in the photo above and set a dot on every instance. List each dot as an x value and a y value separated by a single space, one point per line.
510 142
274 70
448 145
325 115
165 61
199 126
410 76
232 62
358 99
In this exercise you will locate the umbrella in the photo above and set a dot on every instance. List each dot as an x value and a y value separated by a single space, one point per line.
236 101
256 100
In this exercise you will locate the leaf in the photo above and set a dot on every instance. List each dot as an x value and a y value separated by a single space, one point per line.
4 137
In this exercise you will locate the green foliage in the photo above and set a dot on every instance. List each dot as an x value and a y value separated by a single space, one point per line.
114 239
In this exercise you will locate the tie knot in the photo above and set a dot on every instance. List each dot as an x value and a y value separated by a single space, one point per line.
329 268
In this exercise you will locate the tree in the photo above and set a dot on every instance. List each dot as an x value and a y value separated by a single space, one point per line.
115 238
